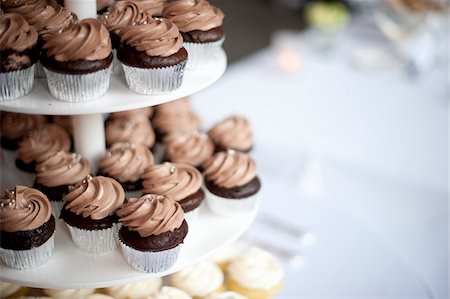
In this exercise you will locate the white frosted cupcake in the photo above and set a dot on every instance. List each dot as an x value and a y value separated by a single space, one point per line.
137 290
171 293
68 293
223 255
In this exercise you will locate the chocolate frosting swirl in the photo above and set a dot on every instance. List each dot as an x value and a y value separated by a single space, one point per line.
95 197
17 125
16 33
126 162
233 132
151 214
180 106
152 8
230 169
177 180
190 15
62 169
136 130
10 5
41 144
156 37
182 122
23 209
193 148
122 14
146 111
86 40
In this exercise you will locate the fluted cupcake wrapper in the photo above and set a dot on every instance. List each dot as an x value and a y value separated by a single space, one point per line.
26 259
202 54
154 81
228 207
16 84
56 207
78 87
148 261
95 241
117 68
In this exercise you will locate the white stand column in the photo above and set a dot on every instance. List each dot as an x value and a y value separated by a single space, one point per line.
82 8
89 137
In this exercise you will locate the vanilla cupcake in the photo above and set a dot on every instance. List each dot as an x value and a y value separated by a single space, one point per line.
223 255
167 292
9 290
256 274
136 290
234 132
68 293
15 126
135 130
199 280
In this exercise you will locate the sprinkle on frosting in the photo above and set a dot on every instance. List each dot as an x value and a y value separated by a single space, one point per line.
16 34
122 14
193 148
23 209
233 132
151 214
136 130
18 125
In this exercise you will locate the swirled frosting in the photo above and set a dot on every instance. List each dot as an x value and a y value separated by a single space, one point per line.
183 122
180 106
156 37
63 168
43 143
95 197
68 293
23 209
152 8
256 268
17 125
191 15
193 148
122 14
230 169
198 280
146 111
86 40
171 293
64 121
10 5
151 214
233 132
177 180
126 162
16 34
136 130
141 289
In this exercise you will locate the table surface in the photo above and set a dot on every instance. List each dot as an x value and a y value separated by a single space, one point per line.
357 156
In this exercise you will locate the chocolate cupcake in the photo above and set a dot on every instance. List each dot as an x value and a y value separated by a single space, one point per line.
64 121
126 163
135 130
179 181
26 228
90 213
231 183
57 173
153 8
178 106
234 132
165 124
18 55
146 112
77 61
41 144
152 231
200 24
16 126
152 56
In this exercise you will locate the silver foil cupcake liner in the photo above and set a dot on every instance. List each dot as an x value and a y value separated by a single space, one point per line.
148 261
78 87
154 81
95 241
26 259
56 208
16 84
117 68
228 207
202 54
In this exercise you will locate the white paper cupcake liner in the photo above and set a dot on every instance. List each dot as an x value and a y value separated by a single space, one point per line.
148 261
230 207
26 259
56 207
202 54
117 68
133 194
16 84
78 87
39 70
154 81
95 241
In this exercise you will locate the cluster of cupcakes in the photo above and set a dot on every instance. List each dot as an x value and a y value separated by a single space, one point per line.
151 41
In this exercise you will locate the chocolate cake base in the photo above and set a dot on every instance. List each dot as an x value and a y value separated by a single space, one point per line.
87 223
9 144
76 66
193 201
238 192
198 36
11 60
26 240
164 241
53 193
28 167
130 56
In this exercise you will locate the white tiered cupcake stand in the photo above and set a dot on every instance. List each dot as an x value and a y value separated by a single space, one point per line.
71 267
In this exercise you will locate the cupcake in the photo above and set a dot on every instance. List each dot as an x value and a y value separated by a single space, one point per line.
200 280
223 255
181 182
200 24
126 163
77 61
153 8
136 290
255 274
231 183
27 228
56 174
165 123
18 52
15 126
9 290
130 114
64 121
226 295
167 292
90 213
177 107
135 130
152 56
234 132
68 293
41 144
152 232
